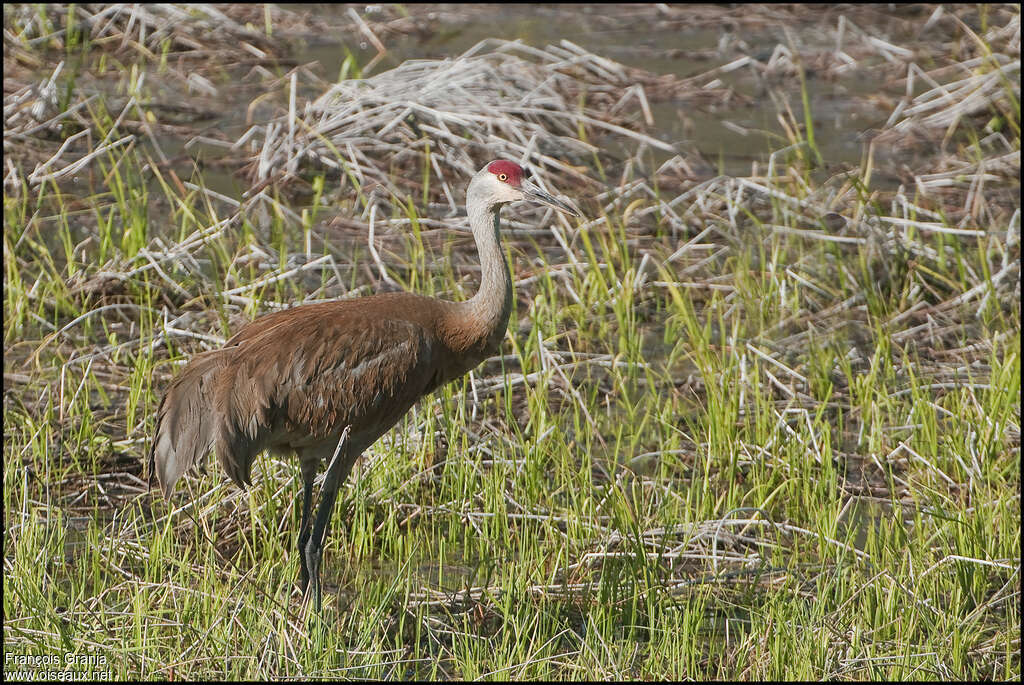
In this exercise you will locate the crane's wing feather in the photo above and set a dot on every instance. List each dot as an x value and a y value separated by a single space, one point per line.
300 379
296 378
186 420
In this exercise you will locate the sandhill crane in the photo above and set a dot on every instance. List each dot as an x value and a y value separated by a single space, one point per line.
326 380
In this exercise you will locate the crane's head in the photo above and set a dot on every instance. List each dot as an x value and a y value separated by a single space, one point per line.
502 181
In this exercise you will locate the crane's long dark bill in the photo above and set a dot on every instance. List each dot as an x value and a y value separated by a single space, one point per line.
535 194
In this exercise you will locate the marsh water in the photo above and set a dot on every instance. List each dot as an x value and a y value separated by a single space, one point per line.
728 138
715 139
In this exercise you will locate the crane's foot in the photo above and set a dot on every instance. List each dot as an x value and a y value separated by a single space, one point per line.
337 471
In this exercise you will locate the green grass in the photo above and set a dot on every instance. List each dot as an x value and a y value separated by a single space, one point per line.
769 457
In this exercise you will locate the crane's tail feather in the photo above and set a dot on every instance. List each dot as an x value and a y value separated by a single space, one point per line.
185 422
242 433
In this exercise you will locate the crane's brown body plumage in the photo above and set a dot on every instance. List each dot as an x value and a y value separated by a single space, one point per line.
293 380
328 379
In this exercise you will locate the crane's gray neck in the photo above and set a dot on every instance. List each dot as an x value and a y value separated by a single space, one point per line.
491 306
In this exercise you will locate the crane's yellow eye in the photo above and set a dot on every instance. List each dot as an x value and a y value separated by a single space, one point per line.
502 177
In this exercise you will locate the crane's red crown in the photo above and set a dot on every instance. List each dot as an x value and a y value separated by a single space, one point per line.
512 172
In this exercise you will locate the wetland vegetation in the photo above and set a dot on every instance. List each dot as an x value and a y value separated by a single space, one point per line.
757 414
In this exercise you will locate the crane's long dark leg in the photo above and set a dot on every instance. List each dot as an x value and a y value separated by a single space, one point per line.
337 471
309 466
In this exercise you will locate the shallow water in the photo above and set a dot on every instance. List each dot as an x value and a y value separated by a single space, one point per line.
712 138
728 138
